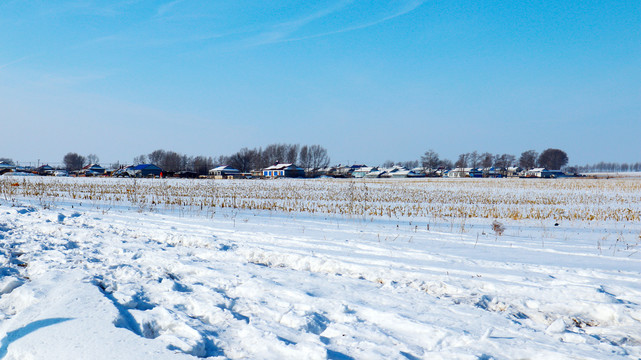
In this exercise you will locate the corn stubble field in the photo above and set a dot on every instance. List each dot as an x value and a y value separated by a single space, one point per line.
515 199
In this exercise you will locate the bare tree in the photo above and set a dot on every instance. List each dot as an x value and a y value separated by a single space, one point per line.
304 157
292 153
186 162
462 161
221 160
504 160
509 160
73 161
445 164
410 164
274 153
93 159
388 164
243 160
172 162
157 157
201 165
140 159
553 159
473 159
319 157
528 159
486 160
430 160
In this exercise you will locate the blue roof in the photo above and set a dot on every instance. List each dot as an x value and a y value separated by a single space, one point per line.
146 166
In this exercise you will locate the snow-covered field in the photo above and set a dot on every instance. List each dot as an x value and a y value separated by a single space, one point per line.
612 175
131 277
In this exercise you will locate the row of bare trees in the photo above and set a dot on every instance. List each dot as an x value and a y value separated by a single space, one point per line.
74 161
174 162
476 160
245 160
609 167
308 157
553 159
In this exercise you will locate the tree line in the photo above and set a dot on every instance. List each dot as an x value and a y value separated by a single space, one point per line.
310 157
245 160
608 167
552 159
316 157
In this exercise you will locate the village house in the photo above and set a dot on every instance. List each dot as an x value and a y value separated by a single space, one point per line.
346 171
494 172
5 168
92 170
417 172
464 172
283 170
376 174
45 170
224 172
514 171
539 173
144 170
458 173
362 171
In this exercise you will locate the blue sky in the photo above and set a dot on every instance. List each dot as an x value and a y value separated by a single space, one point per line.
369 80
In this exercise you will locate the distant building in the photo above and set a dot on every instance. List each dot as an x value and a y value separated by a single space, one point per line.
376 174
494 172
417 173
144 170
405 173
465 172
395 171
5 167
514 171
476 173
459 172
92 170
539 173
224 172
283 170
362 171
346 171
323 172
45 170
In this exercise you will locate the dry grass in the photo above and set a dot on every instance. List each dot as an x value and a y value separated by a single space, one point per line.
561 199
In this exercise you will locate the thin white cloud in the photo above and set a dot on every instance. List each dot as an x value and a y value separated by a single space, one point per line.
16 61
167 7
257 34
298 23
297 29
409 7
282 32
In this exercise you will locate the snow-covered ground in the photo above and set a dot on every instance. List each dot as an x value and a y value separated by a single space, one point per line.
95 282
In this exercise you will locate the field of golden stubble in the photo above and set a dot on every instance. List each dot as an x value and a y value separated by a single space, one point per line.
541 199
